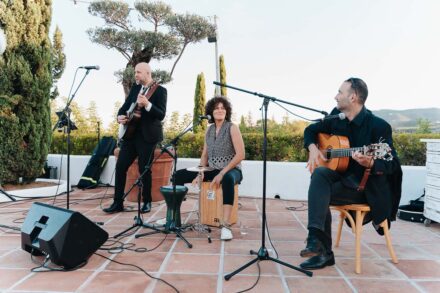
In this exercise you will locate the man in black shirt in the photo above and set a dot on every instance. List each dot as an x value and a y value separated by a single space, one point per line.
382 189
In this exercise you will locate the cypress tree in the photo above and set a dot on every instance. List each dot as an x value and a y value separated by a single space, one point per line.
199 103
223 91
25 88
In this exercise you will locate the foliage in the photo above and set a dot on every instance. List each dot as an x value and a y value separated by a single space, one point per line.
26 78
113 128
161 34
281 147
223 90
410 149
199 103
58 60
423 126
81 143
86 120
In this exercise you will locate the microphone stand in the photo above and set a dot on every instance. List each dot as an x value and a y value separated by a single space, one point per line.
262 253
2 191
138 222
64 121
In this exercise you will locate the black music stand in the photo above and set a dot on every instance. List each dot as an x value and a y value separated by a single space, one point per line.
262 253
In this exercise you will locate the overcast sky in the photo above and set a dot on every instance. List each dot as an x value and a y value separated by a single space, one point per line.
299 51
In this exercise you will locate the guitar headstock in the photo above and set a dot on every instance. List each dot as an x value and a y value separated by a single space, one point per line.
379 150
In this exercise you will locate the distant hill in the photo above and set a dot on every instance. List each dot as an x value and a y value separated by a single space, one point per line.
407 119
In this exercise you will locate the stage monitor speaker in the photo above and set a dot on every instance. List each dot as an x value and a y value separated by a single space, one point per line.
66 236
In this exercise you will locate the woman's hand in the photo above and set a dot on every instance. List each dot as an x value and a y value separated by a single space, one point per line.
215 183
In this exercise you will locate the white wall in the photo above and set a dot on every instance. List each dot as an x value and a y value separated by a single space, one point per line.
289 180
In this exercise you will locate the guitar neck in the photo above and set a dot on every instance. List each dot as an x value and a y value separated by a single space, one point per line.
341 153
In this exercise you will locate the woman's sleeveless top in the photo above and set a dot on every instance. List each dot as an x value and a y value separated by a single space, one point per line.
220 148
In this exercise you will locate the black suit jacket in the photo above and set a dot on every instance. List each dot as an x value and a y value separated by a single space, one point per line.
151 122
383 188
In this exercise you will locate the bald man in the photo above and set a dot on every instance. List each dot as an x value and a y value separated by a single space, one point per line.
147 134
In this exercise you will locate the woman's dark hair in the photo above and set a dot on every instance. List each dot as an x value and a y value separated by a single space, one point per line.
359 87
212 103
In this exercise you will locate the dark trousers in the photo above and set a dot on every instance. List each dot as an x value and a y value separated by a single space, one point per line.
327 188
229 180
130 149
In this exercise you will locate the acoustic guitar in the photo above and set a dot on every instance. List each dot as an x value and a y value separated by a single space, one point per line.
127 130
336 149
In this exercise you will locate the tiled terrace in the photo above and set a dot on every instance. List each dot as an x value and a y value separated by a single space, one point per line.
201 268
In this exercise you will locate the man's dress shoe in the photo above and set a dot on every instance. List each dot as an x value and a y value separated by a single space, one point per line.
114 208
319 261
313 247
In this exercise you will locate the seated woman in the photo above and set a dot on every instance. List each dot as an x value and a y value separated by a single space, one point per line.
223 150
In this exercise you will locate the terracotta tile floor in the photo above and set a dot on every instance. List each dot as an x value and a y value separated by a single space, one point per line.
201 269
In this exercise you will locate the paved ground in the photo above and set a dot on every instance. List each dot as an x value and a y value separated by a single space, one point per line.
201 269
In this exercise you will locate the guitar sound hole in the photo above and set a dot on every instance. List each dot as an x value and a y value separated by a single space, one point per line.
328 154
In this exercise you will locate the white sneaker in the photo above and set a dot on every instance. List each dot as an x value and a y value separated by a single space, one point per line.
226 234
161 222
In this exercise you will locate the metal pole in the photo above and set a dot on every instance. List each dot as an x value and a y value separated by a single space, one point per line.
217 62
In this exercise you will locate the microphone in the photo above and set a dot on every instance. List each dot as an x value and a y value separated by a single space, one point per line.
201 117
340 116
96 67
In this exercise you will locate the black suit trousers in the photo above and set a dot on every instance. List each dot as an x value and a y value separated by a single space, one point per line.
327 188
130 149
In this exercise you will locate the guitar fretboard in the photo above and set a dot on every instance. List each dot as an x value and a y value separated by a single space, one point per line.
341 153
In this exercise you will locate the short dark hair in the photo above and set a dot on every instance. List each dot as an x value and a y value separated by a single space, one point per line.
212 103
359 87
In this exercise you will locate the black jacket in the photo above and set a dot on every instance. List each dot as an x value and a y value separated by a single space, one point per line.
383 188
151 122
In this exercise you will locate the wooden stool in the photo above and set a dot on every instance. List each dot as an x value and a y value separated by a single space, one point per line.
356 225
211 207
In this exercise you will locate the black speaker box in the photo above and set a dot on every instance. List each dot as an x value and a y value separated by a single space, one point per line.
66 236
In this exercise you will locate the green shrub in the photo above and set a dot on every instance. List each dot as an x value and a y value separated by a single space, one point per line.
280 147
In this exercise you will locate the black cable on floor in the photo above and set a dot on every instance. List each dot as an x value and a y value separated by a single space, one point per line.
256 282
270 240
302 207
111 248
139 268
45 268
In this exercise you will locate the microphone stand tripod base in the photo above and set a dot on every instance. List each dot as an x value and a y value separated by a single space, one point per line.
138 220
263 254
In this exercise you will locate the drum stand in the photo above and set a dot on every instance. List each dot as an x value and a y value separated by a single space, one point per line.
169 227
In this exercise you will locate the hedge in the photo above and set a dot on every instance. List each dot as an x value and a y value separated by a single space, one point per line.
284 148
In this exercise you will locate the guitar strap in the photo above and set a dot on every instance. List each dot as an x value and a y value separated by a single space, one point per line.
367 172
361 186
152 90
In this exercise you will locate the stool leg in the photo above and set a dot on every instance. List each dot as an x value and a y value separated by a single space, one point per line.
387 235
341 223
358 241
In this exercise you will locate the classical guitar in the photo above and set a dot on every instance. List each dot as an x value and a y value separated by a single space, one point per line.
127 130
337 150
